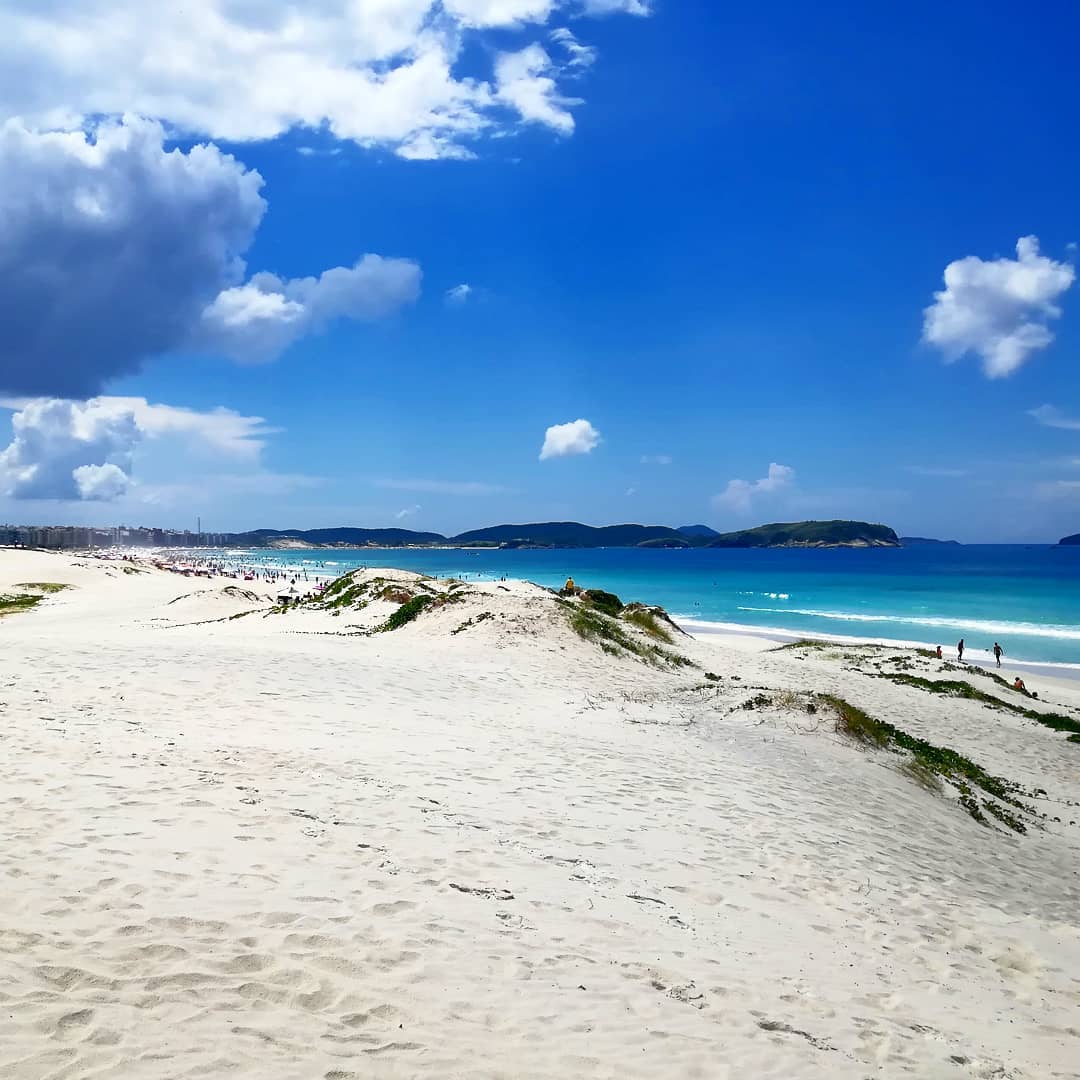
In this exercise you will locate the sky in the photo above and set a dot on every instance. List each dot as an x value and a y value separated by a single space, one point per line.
442 264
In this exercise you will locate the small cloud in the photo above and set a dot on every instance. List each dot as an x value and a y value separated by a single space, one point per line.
306 151
631 491
656 459
565 440
525 82
936 470
999 310
409 511
1051 416
459 294
739 494
579 56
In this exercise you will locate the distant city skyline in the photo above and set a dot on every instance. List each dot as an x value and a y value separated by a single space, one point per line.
527 260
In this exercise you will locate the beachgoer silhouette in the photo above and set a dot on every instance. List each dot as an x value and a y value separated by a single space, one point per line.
998 650
1019 685
939 652
960 650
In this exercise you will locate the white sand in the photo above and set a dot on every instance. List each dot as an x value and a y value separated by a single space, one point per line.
266 847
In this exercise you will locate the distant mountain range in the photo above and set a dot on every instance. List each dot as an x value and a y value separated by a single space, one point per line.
921 541
572 534
1071 541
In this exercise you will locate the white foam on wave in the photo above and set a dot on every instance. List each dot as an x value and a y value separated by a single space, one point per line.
979 626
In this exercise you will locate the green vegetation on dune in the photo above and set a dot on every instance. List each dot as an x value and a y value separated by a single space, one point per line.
941 761
592 625
43 586
606 602
11 605
406 613
952 688
648 621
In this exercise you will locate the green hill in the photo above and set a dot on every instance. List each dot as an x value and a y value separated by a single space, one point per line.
810 534
1070 541
568 534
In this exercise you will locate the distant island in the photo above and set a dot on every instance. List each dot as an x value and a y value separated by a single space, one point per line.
1071 541
923 541
818 534
573 534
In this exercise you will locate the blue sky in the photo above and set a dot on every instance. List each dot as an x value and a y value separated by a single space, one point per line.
710 233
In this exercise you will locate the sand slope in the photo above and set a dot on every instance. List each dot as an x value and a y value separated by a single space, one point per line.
265 847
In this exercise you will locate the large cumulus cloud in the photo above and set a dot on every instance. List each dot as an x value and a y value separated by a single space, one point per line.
114 248
377 72
110 248
85 450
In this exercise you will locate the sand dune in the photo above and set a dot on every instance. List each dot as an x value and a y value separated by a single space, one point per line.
280 846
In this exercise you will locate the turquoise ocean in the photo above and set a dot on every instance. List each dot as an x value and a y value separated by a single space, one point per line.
1027 598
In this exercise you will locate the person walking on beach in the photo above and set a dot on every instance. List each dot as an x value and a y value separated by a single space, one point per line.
998 650
960 650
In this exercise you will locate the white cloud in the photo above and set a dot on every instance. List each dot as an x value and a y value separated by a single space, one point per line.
85 450
409 511
525 81
999 309
258 320
579 56
459 294
378 72
100 483
563 440
656 459
1051 416
171 227
54 443
740 494
444 487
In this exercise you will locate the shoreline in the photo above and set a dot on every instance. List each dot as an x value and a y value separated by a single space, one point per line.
703 630
325 571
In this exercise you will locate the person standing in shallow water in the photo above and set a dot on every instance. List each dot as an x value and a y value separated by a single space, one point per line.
998 650
960 650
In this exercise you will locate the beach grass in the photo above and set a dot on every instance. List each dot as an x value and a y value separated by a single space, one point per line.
590 624
958 689
406 613
960 771
646 620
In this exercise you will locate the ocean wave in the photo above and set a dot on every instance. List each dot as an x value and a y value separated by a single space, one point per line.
979 626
